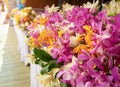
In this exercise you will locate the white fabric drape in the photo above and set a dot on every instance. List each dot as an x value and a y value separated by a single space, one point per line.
34 70
22 45
24 50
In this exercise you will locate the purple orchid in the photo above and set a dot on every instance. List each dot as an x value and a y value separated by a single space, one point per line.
97 64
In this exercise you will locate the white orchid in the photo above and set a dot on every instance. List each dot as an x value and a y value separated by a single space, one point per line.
53 8
49 80
73 41
67 7
92 6
112 8
26 23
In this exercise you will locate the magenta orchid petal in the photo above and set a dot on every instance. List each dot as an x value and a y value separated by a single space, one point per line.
117 21
83 57
110 63
60 74
55 53
98 63
105 84
67 76
110 79
89 84
115 74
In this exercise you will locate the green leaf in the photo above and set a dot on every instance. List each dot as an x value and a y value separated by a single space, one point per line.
51 66
52 61
40 62
64 85
44 70
44 64
43 55
37 62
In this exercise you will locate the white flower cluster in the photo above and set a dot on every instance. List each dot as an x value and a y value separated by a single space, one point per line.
92 6
51 9
113 8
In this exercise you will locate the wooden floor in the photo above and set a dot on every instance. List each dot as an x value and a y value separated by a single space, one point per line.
13 72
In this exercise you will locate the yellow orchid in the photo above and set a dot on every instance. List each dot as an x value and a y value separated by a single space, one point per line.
44 37
31 43
17 18
24 17
41 20
60 33
85 40
14 11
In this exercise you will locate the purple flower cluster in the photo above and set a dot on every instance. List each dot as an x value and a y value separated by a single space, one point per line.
94 60
98 67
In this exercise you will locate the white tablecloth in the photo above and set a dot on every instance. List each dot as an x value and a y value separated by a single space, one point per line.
24 50
2 17
22 45
3 36
34 70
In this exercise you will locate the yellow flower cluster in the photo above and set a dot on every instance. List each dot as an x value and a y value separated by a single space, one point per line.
85 41
14 11
25 17
40 20
45 37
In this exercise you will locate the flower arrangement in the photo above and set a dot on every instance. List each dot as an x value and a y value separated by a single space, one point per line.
36 31
13 12
78 49
25 17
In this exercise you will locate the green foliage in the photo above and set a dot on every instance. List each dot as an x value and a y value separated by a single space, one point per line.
45 60
64 85
44 70
42 55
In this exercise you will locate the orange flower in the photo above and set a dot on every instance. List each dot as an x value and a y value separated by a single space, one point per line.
60 33
17 18
31 43
26 18
41 20
85 40
46 37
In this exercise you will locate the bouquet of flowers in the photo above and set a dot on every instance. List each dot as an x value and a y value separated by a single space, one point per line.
25 17
78 49
35 29
13 12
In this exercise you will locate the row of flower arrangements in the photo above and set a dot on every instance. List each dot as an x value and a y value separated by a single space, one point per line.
75 46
